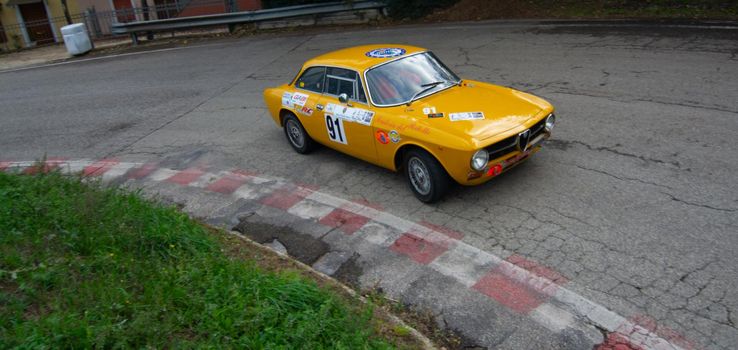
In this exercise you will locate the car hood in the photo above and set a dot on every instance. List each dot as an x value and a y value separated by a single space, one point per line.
503 108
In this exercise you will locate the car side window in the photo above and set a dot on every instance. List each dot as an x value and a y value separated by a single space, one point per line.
344 81
312 79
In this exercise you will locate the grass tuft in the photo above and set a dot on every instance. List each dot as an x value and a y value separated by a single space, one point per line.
86 266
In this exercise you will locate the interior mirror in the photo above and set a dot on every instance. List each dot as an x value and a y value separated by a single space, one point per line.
343 98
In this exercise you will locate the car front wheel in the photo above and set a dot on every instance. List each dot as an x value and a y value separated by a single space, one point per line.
296 135
425 176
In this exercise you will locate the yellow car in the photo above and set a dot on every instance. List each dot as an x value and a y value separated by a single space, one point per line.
401 108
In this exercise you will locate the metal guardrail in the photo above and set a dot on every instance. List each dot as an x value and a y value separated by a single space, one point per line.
134 28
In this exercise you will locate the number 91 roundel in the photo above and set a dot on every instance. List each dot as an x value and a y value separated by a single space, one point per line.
335 129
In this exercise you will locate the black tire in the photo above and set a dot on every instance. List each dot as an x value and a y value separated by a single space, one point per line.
296 135
418 164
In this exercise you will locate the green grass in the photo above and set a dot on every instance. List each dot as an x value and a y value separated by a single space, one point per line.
84 266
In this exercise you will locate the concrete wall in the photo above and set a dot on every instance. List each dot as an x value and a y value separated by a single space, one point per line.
100 5
209 7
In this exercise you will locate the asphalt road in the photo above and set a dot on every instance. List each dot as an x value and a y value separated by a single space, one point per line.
634 200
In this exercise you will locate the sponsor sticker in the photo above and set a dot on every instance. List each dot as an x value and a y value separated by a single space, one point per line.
394 136
299 99
465 116
382 137
495 170
432 113
386 52
306 111
351 114
286 99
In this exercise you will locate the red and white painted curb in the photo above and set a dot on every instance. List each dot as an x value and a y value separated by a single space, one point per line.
521 285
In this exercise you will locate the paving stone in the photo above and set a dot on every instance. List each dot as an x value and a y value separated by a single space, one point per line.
277 246
331 262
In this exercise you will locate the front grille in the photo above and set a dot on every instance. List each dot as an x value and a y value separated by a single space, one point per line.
503 147
537 129
510 144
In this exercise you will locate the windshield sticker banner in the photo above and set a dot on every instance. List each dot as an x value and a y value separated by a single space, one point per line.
465 116
351 114
386 52
298 99
287 99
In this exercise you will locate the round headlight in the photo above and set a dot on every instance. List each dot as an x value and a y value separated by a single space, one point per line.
550 121
479 160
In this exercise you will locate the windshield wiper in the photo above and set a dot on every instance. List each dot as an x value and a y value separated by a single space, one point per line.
427 87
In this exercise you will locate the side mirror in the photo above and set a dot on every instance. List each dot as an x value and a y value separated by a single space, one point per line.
343 98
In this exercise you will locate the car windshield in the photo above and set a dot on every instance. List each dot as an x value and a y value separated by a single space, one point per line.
408 79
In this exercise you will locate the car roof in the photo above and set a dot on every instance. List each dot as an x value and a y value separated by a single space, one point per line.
358 57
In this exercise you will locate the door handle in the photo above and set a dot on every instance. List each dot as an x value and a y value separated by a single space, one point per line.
319 106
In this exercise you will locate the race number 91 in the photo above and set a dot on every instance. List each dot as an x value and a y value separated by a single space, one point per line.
335 129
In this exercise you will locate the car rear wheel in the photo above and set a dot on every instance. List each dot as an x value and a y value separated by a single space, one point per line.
296 135
425 176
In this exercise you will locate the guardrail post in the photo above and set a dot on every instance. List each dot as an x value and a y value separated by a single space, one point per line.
145 9
134 38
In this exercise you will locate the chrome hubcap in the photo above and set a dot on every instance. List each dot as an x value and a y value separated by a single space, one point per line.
294 133
419 176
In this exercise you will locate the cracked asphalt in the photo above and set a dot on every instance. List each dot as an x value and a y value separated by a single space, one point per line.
634 200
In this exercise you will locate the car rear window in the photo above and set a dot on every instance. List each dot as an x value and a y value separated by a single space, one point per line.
312 79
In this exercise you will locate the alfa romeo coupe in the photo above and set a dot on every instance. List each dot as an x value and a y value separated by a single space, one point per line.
401 108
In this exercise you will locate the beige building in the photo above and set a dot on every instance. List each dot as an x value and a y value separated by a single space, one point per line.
25 23
29 23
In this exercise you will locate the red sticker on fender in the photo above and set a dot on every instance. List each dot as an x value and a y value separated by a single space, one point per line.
382 137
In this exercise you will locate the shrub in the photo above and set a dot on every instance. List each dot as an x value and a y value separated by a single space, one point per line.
400 9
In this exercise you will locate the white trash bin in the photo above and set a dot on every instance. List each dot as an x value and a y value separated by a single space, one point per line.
76 39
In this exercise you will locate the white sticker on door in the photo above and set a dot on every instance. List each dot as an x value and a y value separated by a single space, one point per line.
299 99
287 99
351 114
334 125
